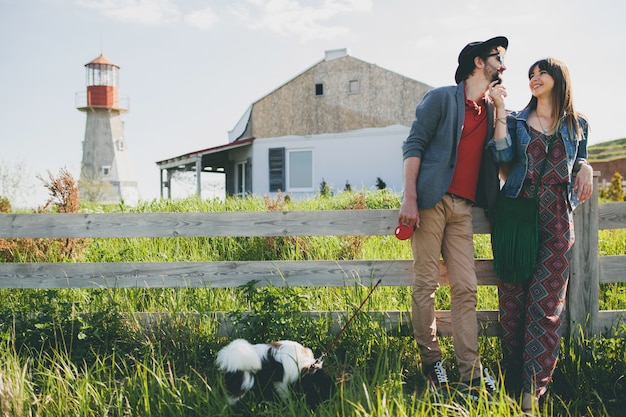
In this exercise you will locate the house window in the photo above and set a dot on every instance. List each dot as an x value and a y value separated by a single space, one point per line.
277 169
354 87
300 170
319 89
242 175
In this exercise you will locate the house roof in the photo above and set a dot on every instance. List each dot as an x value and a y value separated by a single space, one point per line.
241 126
103 60
191 157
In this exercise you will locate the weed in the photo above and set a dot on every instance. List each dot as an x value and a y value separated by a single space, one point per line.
63 199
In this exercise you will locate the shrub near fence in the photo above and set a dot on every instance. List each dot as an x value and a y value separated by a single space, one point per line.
588 268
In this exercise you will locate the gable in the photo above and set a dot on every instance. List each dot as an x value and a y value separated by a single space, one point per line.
335 95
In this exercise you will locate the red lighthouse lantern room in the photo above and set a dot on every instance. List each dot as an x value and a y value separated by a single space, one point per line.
102 83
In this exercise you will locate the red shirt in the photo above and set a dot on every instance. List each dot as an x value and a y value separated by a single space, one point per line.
470 150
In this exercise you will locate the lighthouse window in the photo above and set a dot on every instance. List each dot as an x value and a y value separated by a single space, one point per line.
106 171
102 74
119 144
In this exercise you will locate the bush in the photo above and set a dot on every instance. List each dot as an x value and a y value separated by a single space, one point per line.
325 189
615 191
380 184
63 199
5 205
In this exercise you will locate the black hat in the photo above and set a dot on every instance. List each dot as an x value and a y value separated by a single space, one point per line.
473 50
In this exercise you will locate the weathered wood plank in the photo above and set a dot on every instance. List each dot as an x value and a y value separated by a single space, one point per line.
612 215
392 320
612 323
291 223
582 297
132 225
612 269
218 274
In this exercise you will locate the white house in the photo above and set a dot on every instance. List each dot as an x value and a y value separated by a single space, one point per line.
342 122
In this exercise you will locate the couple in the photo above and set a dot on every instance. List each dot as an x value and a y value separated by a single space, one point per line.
458 138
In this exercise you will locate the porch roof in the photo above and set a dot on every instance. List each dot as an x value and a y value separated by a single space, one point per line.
190 158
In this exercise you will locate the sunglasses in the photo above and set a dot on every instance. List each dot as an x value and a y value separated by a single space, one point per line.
500 57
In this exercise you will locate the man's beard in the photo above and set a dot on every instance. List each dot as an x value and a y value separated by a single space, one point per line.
495 76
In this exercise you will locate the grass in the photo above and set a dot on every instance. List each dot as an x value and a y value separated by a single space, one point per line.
607 151
79 352
168 372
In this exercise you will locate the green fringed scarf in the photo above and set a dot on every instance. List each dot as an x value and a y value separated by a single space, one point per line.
515 238
516 233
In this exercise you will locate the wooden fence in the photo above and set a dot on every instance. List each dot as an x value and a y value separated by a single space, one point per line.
589 269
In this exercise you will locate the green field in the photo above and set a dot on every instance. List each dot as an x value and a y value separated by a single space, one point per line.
607 151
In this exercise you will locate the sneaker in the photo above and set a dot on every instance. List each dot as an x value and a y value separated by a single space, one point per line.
436 377
490 382
483 387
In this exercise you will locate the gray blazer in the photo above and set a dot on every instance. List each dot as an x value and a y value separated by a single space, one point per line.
434 137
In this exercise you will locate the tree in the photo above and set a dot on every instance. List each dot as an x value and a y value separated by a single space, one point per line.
14 183
92 188
615 191
380 184
63 192
325 189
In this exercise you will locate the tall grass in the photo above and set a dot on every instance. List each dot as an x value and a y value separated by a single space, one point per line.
79 352
169 372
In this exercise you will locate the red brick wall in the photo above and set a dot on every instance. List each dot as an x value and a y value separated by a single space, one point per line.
609 168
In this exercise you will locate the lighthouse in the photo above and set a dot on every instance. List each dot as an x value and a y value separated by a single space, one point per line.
106 173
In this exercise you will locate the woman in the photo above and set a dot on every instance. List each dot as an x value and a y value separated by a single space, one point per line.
530 312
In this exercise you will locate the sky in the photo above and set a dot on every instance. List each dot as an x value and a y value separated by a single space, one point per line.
191 68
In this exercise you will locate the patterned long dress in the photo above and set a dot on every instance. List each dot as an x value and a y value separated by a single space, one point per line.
530 313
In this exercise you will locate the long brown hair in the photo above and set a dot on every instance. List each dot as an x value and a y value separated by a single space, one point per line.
562 101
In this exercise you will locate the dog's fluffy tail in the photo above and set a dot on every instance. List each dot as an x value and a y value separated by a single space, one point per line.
238 361
238 355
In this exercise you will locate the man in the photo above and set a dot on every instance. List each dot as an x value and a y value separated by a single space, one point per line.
446 172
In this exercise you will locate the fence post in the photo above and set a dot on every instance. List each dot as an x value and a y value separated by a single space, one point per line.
584 280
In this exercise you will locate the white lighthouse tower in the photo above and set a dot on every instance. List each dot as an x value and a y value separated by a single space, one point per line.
106 173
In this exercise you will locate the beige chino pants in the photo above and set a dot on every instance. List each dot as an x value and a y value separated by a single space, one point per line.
446 230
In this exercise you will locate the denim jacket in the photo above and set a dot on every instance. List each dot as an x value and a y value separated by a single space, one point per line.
512 150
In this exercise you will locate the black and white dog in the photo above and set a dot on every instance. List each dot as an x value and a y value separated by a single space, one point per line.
273 368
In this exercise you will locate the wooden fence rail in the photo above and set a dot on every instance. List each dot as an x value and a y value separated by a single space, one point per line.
588 268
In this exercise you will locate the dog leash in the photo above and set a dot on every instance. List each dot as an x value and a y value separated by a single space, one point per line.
318 360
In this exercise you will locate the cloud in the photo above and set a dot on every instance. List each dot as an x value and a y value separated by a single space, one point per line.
147 12
293 19
425 42
202 19
151 12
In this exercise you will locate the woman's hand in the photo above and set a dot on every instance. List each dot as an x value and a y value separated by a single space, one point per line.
583 183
